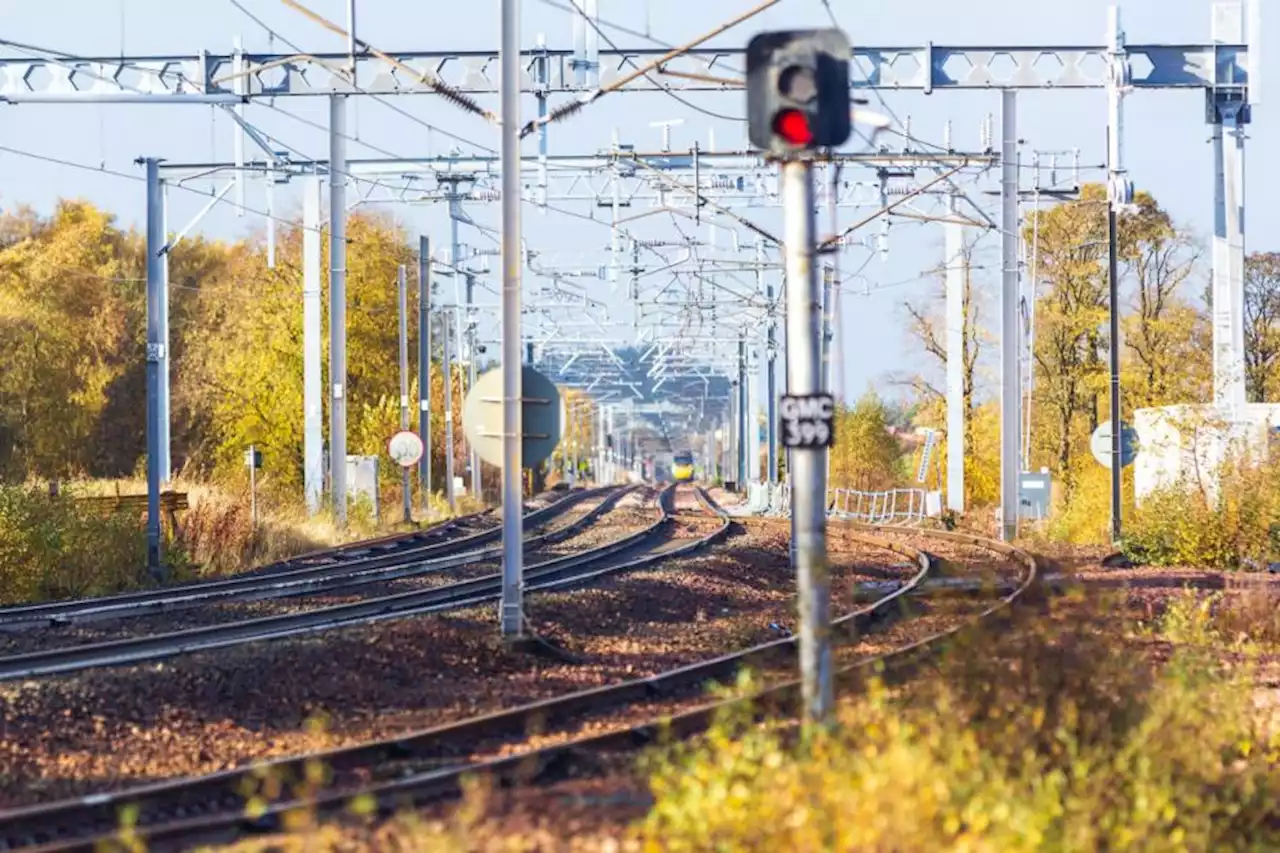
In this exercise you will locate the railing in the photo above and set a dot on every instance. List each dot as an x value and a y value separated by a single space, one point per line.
895 506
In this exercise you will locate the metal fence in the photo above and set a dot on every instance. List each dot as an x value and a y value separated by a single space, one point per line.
895 506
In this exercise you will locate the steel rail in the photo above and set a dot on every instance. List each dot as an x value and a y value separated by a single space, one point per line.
579 755
356 571
557 573
214 805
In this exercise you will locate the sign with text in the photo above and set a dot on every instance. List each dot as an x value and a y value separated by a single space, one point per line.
807 420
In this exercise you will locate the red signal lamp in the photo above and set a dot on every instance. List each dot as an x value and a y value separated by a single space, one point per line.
793 126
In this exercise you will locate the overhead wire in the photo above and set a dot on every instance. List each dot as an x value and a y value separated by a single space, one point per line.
365 179
377 98
662 87
48 54
432 82
599 92
45 52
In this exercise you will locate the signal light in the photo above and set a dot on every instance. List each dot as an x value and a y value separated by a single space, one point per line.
793 126
798 90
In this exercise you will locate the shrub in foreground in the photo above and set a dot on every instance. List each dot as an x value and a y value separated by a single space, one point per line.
1062 744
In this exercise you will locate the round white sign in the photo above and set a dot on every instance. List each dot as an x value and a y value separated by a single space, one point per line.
405 448
1100 444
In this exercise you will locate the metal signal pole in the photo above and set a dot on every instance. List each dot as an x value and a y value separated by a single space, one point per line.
424 366
808 476
155 352
512 613
402 286
338 305
1119 191
446 360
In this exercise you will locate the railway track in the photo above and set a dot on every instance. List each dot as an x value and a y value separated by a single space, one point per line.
357 564
637 550
429 765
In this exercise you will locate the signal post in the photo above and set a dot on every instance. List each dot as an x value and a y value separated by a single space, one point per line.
797 103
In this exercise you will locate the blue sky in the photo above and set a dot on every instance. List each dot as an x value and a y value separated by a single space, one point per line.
1167 141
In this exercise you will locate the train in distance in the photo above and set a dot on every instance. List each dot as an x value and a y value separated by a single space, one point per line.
666 467
682 466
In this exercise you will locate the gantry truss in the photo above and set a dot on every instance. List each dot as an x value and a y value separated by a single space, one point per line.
926 68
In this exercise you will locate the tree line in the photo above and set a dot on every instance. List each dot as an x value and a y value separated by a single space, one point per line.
73 329
72 325
1165 339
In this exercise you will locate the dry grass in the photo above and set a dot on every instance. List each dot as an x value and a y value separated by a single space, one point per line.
52 548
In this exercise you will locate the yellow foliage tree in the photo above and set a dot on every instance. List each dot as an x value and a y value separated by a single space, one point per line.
69 296
866 457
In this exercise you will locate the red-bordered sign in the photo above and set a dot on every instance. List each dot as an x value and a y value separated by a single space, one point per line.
405 448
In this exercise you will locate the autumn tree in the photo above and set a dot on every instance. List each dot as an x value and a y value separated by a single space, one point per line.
70 324
866 457
1262 326
1070 245
1165 363
929 330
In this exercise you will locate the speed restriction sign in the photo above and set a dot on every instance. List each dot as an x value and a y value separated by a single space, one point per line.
405 448
807 420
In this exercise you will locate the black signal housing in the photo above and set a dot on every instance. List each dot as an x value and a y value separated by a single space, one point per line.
798 90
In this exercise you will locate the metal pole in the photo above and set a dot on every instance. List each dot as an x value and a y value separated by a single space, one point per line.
808 477
833 379
351 36
827 275
338 305
1116 194
1229 387
955 275
424 366
1010 388
312 376
402 287
253 487
166 416
771 373
476 485
155 354
512 615
742 410
446 359
753 417
1229 113
731 435
1116 432
455 250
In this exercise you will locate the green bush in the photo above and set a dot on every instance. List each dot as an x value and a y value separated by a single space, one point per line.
1238 528
52 548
